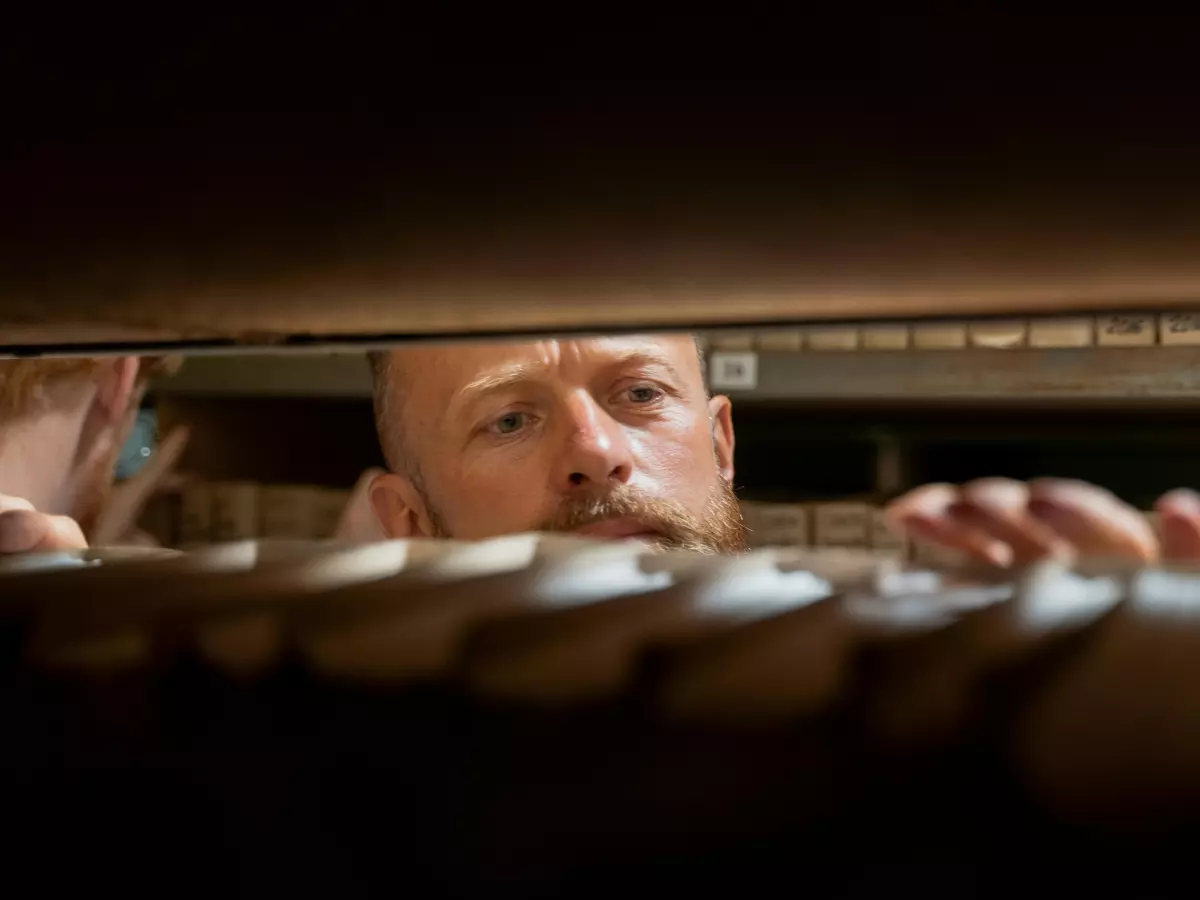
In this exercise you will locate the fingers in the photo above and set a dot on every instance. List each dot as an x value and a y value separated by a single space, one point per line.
1010 522
927 513
7 503
999 507
126 501
29 531
1092 520
1179 524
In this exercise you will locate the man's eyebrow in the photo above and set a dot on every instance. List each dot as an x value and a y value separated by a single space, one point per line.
646 360
499 379
503 377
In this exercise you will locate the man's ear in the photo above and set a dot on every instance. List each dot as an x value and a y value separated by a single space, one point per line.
116 382
399 507
720 411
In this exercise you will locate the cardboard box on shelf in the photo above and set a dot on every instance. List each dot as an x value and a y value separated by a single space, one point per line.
843 524
330 504
160 518
235 510
289 511
885 537
776 524
195 513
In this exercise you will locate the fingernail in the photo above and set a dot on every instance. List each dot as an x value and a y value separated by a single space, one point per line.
1046 510
1182 500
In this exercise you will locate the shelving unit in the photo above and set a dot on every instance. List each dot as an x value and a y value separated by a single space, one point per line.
1104 374
852 420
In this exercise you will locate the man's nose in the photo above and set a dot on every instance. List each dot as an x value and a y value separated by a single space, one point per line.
596 452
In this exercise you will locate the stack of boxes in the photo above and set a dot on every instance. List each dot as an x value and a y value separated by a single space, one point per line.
853 524
207 512
1113 330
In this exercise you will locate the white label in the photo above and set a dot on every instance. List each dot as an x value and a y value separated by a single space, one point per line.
786 341
885 337
1136 330
998 335
733 371
1061 333
940 336
833 339
1179 328
731 340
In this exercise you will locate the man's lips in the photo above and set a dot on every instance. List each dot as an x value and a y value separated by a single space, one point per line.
617 529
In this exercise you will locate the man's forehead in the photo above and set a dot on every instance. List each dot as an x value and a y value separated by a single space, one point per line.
448 367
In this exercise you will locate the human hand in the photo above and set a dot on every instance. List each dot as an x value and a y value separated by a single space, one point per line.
118 520
1006 522
25 530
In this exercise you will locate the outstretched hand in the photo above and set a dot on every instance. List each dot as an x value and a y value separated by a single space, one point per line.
1005 522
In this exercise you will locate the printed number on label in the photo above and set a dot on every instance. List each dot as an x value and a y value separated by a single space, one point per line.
1127 325
1181 323
733 371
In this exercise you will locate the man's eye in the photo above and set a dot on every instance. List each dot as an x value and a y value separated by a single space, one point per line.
511 423
644 394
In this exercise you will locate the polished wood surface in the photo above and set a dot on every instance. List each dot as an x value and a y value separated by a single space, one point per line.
450 183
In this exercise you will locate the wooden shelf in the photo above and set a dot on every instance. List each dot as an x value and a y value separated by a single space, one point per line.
1085 375
278 375
1092 374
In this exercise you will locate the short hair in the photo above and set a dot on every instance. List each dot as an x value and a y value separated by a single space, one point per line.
384 395
28 386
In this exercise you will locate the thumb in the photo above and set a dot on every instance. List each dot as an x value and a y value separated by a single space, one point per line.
29 531
1179 522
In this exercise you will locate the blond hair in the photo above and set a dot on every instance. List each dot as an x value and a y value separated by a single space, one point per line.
29 386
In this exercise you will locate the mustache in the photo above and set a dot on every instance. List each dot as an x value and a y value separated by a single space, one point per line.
675 526
658 514
619 503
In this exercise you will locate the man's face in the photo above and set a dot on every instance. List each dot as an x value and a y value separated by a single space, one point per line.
611 437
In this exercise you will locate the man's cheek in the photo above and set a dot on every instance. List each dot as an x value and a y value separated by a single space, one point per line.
677 468
499 506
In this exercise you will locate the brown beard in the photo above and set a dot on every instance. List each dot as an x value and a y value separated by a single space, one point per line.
719 529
